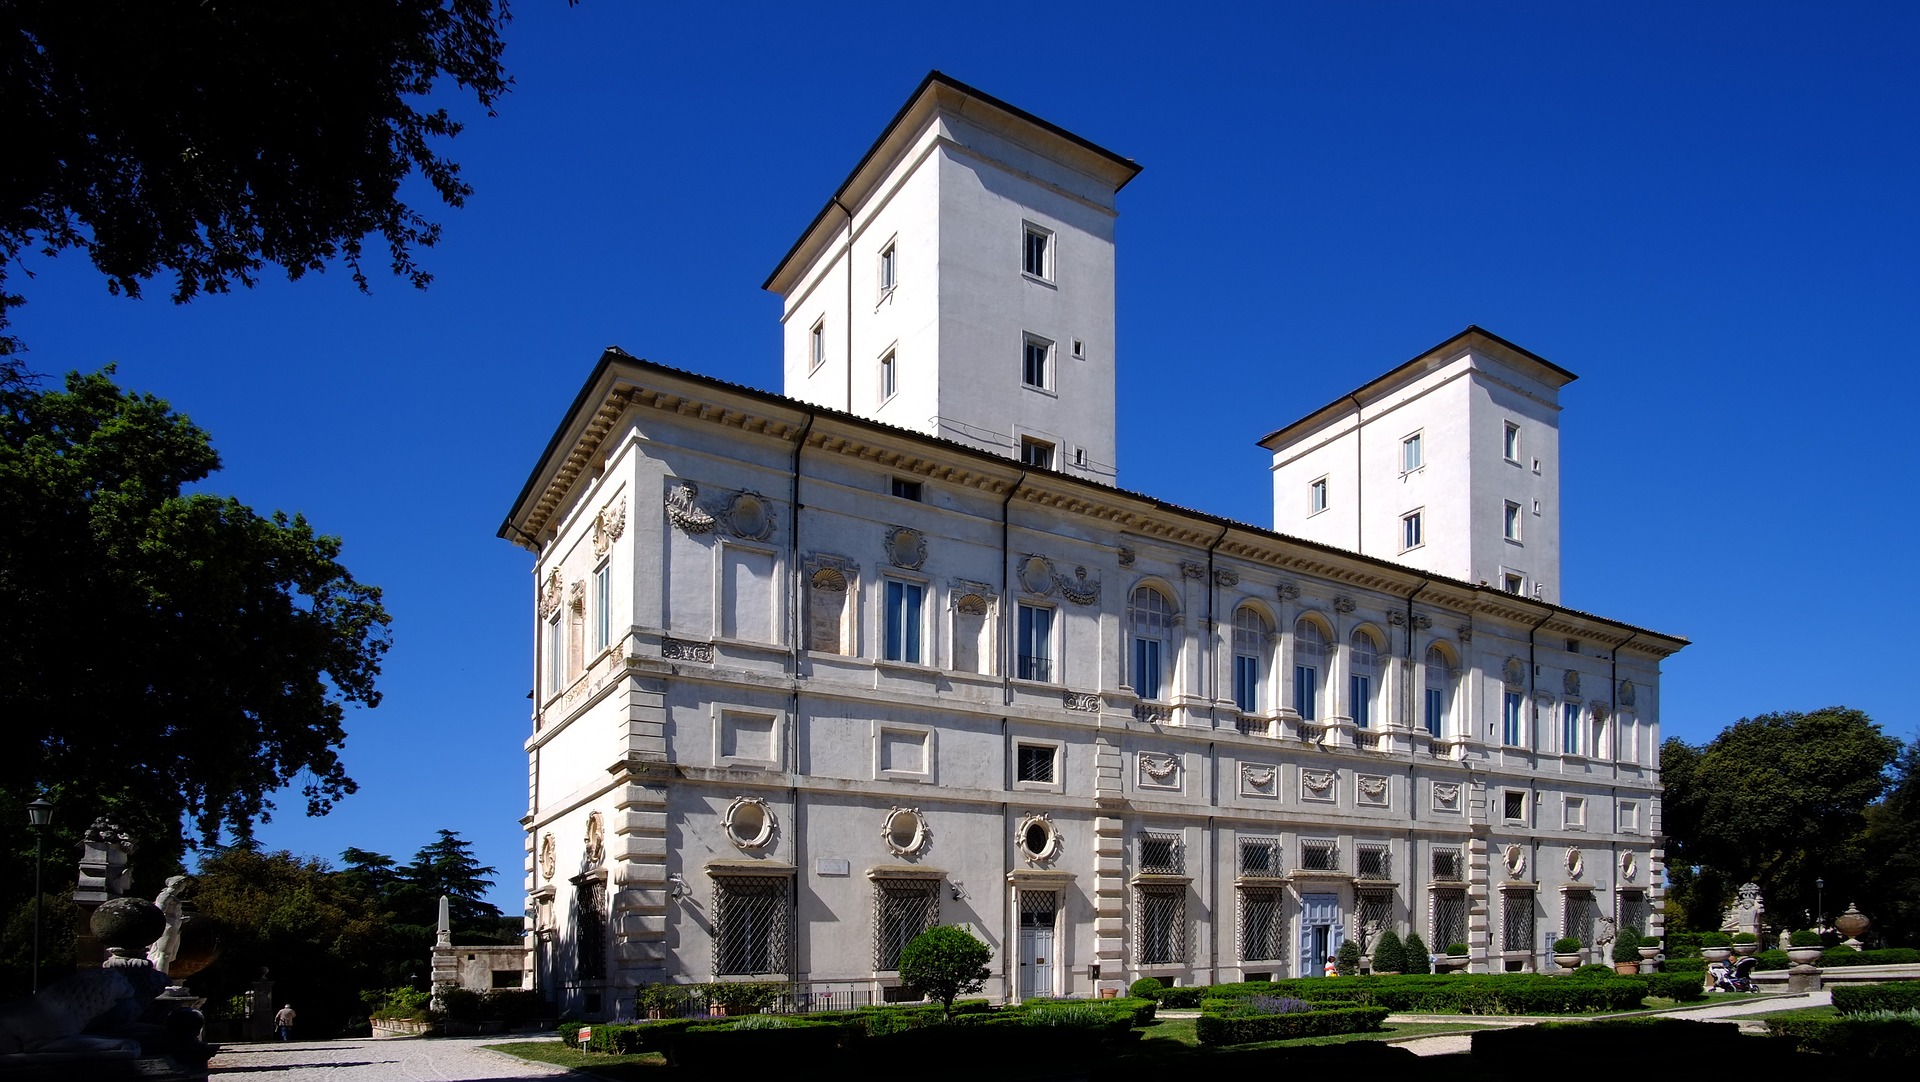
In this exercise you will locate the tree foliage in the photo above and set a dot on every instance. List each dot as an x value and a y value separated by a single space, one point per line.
167 657
1887 855
446 866
945 963
1779 800
204 141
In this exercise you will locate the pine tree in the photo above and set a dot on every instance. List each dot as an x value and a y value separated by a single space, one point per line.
447 866
1388 957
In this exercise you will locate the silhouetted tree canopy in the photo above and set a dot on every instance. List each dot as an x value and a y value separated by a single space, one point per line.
205 140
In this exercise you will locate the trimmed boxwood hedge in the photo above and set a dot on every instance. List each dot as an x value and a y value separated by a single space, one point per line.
1679 987
1216 1030
1473 993
1661 1040
1875 1038
1861 998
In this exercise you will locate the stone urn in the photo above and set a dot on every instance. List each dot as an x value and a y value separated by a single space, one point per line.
1452 963
1804 956
1745 949
1569 962
1648 954
1716 954
1853 924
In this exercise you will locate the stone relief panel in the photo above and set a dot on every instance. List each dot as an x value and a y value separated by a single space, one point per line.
596 839
1372 790
1260 780
749 823
549 857
906 547
1087 704
1035 573
750 515
1576 863
551 591
673 649
905 832
1570 684
1446 797
1514 674
1629 867
684 510
1158 770
1319 785
1626 693
608 525
1515 859
1079 589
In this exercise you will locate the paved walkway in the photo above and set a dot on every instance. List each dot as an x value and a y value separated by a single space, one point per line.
1720 1009
397 1059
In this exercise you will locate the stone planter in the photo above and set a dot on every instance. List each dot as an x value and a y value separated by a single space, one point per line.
1626 969
1569 962
1744 949
1452 963
1716 954
1805 956
1648 954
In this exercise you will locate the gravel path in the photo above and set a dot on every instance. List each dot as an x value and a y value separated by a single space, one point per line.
400 1059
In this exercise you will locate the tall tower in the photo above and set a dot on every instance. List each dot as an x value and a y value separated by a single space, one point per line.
961 283
1449 463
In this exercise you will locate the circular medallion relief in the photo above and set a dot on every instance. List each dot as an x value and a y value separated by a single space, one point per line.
596 841
1036 574
1575 863
1629 867
548 857
906 547
750 516
1516 860
905 831
749 823
1038 838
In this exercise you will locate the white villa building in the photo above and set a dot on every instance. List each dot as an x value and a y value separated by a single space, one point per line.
816 671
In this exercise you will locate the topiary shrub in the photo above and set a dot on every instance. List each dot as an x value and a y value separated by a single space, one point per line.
1413 955
1388 955
1805 938
1679 987
1566 945
1626 946
1458 950
1145 988
1715 940
1346 961
945 963
1743 938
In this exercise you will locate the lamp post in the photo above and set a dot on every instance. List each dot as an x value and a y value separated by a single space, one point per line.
1820 903
39 814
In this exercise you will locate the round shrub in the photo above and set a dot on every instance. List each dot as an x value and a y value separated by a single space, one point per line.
1745 937
1716 940
1346 961
1805 938
1458 950
1566 945
1388 955
1145 987
1413 955
944 963
1626 947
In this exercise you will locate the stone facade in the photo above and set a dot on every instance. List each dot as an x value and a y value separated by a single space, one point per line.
809 682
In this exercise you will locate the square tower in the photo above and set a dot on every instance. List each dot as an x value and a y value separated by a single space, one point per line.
1449 463
960 283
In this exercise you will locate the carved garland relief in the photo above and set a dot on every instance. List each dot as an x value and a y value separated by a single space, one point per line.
548 857
596 839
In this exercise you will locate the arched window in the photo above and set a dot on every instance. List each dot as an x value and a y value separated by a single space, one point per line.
1309 661
1438 690
1362 655
1250 635
1152 641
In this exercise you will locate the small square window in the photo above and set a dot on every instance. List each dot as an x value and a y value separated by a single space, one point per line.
1513 583
1514 806
817 346
1036 363
1447 866
1316 496
1510 445
1412 453
1037 253
906 490
1260 857
889 375
1512 521
1160 853
1035 762
1412 531
889 269
1079 350
1036 452
1576 813
1319 855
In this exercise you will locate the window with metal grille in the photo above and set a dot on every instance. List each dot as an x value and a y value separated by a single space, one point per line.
1260 856
1582 918
1448 867
902 909
750 926
1514 806
1516 920
1633 910
1162 925
1374 909
1160 853
1035 657
1449 919
1373 861
1035 763
1263 927
1320 855
590 941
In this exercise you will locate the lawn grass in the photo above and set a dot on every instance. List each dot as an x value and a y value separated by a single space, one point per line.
596 1064
1823 1013
1173 1036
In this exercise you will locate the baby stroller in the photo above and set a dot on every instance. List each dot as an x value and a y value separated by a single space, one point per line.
1737 977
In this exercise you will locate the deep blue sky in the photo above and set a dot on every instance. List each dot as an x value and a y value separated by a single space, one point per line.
1704 209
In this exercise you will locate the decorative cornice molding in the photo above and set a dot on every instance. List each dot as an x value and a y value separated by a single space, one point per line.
681 650
1088 704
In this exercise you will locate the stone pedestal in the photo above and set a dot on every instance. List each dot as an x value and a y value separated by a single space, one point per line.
1803 978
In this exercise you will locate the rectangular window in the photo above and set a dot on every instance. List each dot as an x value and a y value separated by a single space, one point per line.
1036 452
1436 710
1571 729
817 346
1035 658
602 607
902 909
1036 363
889 269
556 656
1360 699
903 620
1260 857
1633 910
1306 692
1263 925
1246 682
1516 921
1146 668
1510 445
889 375
1163 925
750 930
1512 521
1449 919
1079 350
1412 454
1448 867
1319 855
1160 854
906 490
1629 817
1037 253
1513 583
1316 496
1576 818
1035 762
1412 531
1510 719
1373 861
1513 806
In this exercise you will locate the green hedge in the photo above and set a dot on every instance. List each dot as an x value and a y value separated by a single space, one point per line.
1215 1030
1471 993
1679 987
1892 956
1892 1039
1861 998
794 1041
1656 1039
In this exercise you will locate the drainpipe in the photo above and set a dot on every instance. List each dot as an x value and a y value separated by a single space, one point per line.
796 627
848 332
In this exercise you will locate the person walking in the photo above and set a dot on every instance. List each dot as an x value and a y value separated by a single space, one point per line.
283 1022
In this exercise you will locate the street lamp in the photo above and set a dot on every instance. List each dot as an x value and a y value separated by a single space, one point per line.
39 814
1820 903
